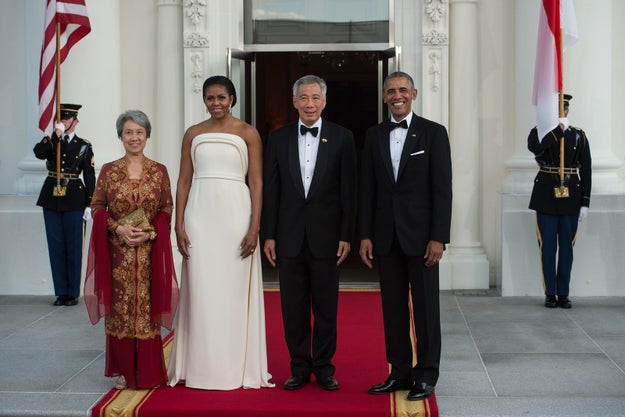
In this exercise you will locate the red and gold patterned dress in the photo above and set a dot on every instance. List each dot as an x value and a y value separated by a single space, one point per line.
133 336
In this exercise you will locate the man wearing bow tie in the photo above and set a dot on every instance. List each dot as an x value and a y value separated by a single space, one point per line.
405 220
308 223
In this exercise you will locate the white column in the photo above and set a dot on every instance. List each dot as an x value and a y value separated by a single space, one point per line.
87 78
469 264
433 68
588 76
82 74
170 90
205 45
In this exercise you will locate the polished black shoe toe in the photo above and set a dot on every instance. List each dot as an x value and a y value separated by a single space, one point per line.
391 385
296 382
564 302
420 391
60 301
71 301
328 383
550 301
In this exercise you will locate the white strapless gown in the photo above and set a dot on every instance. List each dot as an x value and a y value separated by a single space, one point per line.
219 336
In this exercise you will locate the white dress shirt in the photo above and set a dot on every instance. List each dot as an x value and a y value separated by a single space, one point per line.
308 146
397 139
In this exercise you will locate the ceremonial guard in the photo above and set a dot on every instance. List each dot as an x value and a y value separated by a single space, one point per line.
65 200
560 197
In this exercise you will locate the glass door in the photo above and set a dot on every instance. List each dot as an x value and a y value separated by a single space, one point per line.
388 62
241 69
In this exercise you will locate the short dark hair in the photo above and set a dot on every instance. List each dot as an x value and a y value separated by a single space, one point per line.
399 74
224 82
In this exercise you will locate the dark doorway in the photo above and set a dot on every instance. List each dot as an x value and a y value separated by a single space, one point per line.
352 101
352 79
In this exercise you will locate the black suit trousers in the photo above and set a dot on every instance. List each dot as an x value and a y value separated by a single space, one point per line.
402 277
306 283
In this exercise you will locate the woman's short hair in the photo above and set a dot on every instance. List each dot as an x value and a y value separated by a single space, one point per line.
136 116
224 82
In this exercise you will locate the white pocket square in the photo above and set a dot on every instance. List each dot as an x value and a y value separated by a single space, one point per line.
417 153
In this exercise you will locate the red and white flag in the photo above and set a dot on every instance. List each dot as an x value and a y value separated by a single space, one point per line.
74 25
557 18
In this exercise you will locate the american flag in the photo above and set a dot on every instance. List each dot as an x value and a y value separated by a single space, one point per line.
74 25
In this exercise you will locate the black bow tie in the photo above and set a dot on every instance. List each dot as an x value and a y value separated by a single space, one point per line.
403 124
313 130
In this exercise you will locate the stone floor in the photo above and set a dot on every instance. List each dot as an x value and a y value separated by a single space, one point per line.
501 357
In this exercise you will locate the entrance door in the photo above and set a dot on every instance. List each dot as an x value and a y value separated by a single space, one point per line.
241 69
354 80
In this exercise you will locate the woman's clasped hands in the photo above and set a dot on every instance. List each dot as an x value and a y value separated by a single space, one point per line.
132 236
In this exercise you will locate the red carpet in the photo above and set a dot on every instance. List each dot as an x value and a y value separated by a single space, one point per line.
360 362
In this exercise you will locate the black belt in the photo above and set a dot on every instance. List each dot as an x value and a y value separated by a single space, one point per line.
64 175
556 170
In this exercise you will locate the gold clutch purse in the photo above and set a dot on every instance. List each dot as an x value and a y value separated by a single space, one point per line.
137 219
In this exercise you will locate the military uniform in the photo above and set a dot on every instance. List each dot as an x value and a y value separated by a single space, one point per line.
63 214
557 218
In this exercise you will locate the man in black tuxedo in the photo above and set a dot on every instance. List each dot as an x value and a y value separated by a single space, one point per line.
308 222
405 219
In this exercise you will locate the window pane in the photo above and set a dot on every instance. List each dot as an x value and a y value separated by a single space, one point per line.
316 21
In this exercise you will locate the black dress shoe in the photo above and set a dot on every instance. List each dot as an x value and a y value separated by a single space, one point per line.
328 383
564 302
296 382
550 301
71 301
60 301
420 391
391 385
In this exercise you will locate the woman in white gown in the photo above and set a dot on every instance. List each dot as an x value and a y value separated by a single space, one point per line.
219 338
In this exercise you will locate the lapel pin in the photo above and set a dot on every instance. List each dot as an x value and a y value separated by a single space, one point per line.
414 135
324 140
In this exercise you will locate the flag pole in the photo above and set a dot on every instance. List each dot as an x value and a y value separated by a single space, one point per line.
562 190
58 72
561 105
59 190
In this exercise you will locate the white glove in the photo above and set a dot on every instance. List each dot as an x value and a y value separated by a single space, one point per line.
583 212
87 214
59 126
564 123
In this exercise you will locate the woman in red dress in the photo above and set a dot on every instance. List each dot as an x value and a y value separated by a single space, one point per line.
130 275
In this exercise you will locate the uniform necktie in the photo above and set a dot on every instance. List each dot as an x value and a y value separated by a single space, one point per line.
313 130
66 137
403 124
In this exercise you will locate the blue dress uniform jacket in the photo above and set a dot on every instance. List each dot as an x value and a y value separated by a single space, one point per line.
576 156
63 215
76 158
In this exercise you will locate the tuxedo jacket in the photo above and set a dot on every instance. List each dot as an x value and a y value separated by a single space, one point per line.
327 214
547 154
76 158
417 207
